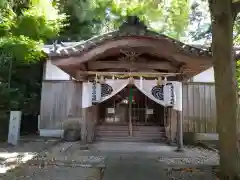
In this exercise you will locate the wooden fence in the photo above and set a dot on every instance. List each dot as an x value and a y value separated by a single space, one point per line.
199 107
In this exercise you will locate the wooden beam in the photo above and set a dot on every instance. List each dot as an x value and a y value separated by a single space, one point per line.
83 67
127 74
95 65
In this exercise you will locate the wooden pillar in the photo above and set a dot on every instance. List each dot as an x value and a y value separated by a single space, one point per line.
179 117
179 131
74 116
86 107
171 126
84 125
130 118
130 98
168 125
76 100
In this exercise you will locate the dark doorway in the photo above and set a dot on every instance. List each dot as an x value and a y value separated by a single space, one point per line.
144 111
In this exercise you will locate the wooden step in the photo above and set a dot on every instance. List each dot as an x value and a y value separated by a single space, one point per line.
121 133
142 128
129 139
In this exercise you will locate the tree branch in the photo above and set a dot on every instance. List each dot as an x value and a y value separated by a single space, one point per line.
236 7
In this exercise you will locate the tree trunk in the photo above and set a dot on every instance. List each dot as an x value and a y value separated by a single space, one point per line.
225 79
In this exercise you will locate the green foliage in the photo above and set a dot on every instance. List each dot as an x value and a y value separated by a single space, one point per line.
147 11
88 18
7 21
24 27
238 72
39 27
21 48
3 3
84 19
177 18
236 30
170 19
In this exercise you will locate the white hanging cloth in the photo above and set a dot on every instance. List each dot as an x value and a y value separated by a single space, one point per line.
169 94
178 95
165 95
111 87
86 94
149 88
96 92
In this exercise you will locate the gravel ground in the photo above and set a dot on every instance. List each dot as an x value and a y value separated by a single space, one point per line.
13 156
55 173
201 164
191 174
68 161
199 156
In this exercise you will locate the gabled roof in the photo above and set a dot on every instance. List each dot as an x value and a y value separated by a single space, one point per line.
132 36
131 28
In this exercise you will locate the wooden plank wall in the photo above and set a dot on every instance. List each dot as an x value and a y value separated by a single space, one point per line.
199 107
59 100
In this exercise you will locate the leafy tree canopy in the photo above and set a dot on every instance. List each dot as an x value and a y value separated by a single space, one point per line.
24 27
88 18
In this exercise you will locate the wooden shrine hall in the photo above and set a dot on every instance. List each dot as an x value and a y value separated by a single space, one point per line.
121 86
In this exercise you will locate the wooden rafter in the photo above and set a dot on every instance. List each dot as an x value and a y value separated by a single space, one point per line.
94 65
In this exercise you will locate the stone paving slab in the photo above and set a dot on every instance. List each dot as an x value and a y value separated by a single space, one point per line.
133 169
72 151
